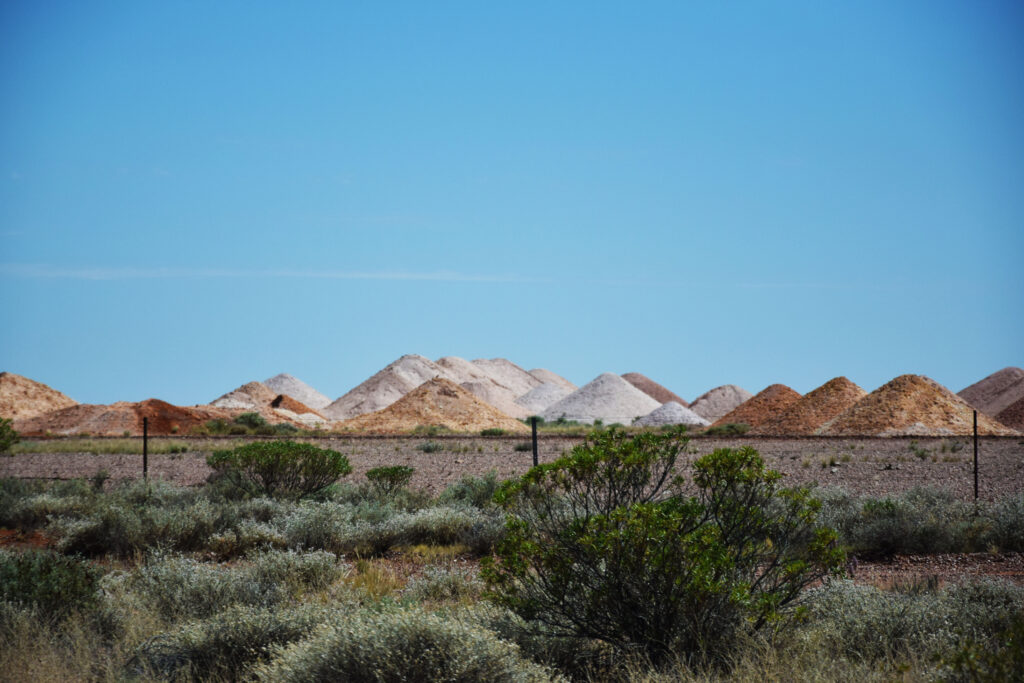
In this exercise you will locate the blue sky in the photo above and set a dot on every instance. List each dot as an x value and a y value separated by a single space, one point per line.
196 195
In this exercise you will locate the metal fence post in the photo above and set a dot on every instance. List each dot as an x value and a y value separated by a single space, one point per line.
533 424
145 448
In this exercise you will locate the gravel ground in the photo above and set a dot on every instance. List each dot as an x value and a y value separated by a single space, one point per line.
871 466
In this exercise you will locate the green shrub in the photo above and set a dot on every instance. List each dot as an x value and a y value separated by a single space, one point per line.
1000 659
8 437
469 490
387 481
444 584
493 431
430 447
866 623
251 420
598 545
178 587
523 446
400 645
56 584
430 430
117 525
728 429
225 645
281 468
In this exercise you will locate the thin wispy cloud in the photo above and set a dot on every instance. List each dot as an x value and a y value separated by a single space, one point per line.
45 271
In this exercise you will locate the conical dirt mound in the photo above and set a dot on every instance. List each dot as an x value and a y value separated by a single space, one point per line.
653 389
548 377
815 409
608 398
435 402
385 387
1013 415
21 397
996 392
249 396
671 413
482 384
536 401
121 417
911 405
300 391
713 404
770 403
508 374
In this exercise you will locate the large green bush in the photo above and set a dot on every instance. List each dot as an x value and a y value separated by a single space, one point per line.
55 584
603 544
281 468
8 437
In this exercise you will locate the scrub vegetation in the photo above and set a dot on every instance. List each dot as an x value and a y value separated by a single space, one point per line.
743 577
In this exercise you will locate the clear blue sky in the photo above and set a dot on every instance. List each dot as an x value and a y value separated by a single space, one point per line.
195 195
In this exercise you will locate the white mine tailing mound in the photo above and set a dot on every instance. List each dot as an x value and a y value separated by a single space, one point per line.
720 401
608 398
460 370
492 393
537 400
385 387
671 413
496 382
250 396
548 377
508 374
297 389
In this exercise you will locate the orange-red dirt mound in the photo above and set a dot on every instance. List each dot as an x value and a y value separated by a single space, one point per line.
911 405
286 402
771 402
1013 415
814 409
21 397
653 389
435 402
121 417
996 392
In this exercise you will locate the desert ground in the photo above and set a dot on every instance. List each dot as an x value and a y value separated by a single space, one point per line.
872 466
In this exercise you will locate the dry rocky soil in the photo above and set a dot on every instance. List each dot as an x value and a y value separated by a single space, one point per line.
872 466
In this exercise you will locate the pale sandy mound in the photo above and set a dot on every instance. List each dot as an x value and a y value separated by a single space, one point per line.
911 405
537 400
460 370
497 396
671 413
436 402
250 396
996 392
546 376
481 383
21 397
385 387
608 398
303 393
815 409
653 389
771 402
1013 415
508 374
121 417
716 403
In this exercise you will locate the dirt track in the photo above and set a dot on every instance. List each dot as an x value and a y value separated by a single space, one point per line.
872 466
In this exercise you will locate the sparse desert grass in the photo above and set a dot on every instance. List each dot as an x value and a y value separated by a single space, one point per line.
187 585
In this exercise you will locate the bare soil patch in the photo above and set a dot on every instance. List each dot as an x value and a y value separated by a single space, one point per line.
870 466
